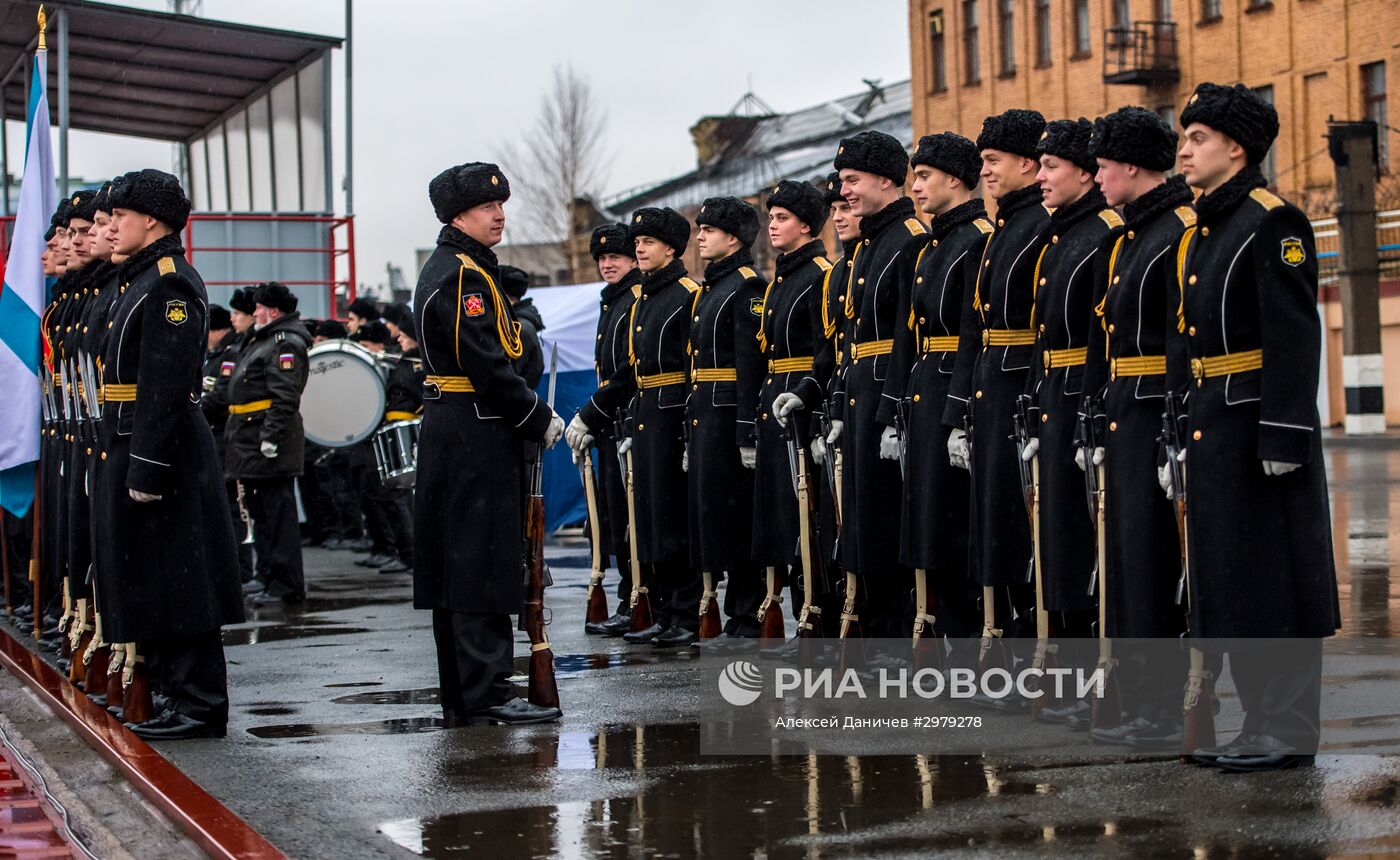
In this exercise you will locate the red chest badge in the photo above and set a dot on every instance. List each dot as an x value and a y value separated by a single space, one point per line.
472 305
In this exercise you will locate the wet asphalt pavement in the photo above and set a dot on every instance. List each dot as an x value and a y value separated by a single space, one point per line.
335 748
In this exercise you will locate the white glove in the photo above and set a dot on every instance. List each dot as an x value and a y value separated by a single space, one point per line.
1274 468
138 496
836 428
889 444
578 436
1079 458
685 461
624 446
554 431
957 449
819 451
1032 447
784 405
748 456
268 449
1164 480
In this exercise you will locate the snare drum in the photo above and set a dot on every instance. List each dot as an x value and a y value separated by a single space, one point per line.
344 398
396 453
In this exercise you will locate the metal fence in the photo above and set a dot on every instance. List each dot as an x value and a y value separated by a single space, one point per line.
1387 246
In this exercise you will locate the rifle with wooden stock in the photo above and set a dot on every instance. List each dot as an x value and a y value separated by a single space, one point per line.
1043 658
543 690
639 604
597 600
809 543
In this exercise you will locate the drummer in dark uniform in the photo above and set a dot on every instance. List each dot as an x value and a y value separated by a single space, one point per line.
478 418
162 518
594 424
264 438
389 510
1258 519
933 539
726 370
660 334
220 358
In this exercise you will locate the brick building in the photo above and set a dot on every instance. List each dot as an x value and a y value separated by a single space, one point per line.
1070 58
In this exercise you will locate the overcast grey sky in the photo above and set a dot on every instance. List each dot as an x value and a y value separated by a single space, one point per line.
438 82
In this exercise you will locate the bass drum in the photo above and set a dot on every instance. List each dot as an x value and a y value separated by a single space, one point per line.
344 398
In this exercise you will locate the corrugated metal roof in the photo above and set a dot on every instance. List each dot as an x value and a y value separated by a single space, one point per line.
798 145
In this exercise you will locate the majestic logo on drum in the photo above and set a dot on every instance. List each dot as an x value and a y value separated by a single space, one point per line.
472 305
175 312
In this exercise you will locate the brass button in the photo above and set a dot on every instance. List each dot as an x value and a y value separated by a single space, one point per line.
1196 435
605 307
697 319
765 416
1113 425
922 321
600 337
1191 331
987 306
1131 234
1044 416
853 401
860 280
1205 231
1042 326
1110 328
867 241
987 264
1001 222
694 388
104 455
641 426
639 328
979 395
1191 280
780 279
1042 282
919 279
770 380
695 422
1115 279
935 243
1054 240
916 398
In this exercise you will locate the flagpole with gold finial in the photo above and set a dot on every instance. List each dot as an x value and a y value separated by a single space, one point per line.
43 25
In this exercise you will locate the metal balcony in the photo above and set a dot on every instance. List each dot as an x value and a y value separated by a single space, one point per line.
1144 54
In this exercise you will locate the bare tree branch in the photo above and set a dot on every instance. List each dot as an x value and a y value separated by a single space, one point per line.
558 160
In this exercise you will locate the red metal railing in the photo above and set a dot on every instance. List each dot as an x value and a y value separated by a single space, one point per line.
340 244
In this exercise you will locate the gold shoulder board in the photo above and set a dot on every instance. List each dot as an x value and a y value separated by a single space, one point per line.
1266 198
1111 218
1187 216
636 291
915 226
747 272
822 263
689 284
166 265
984 225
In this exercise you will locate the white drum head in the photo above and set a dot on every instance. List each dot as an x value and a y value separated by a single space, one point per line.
344 398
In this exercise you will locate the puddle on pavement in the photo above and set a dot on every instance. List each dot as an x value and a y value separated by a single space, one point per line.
283 633
568 665
571 561
355 684
272 711
425 696
409 726
693 806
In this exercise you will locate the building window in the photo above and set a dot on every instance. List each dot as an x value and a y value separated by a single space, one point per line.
972 72
1210 10
1081 28
1270 164
1251 5
1042 32
1373 107
937 55
1122 14
1006 21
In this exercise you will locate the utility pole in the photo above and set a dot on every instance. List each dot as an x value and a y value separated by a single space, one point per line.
1353 148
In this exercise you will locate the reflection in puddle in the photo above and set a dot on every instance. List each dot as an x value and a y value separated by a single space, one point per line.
425 696
272 711
283 633
412 725
356 684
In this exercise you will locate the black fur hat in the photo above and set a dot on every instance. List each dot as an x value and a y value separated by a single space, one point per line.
332 329
731 215
60 215
831 193
408 327
951 153
668 225
364 309
1016 131
611 239
84 205
803 200
457 189
514 281
103 201
154 193
1237 111
275 295
396 313
374 332
219 318
242 299
873 152
1135 135
1069 139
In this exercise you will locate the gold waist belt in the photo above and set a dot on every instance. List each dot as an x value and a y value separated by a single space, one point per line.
1137 365
1065 357
658 380
1008 337
796 364
245 408
401 416
713 374
1223 365
451 384
871 347
941 343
